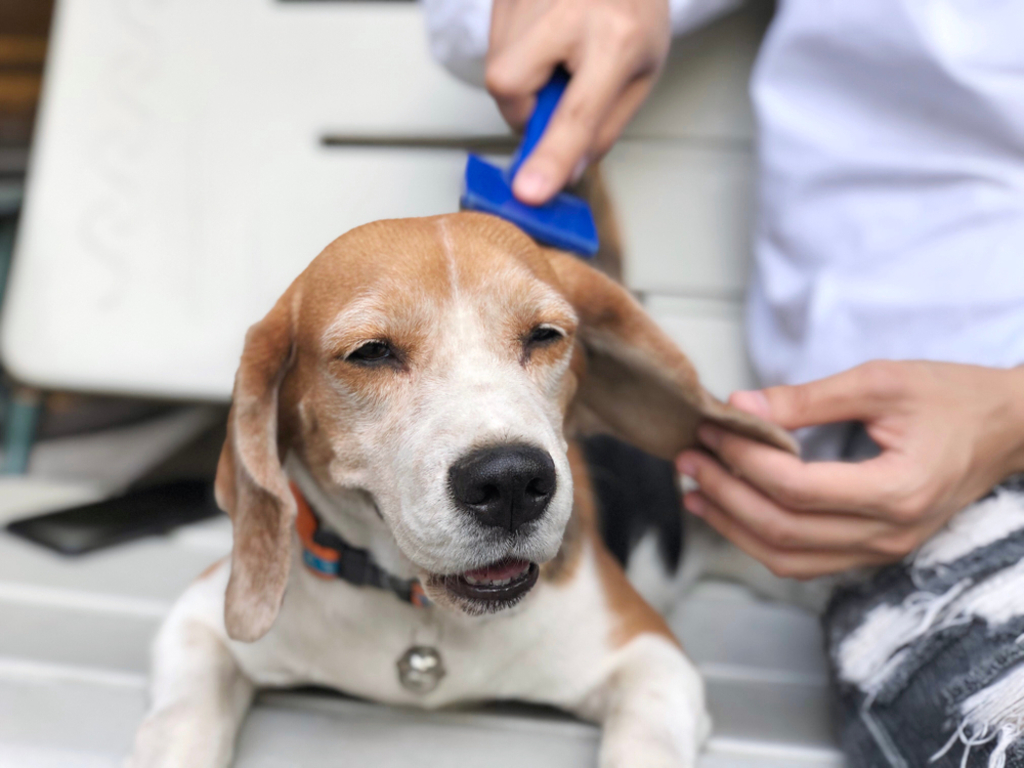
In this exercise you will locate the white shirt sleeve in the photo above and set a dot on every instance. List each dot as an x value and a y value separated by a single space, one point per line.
687 15
458 30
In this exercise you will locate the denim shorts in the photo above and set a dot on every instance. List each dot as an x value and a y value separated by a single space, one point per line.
927 655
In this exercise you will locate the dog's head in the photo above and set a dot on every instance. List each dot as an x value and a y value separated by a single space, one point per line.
434 364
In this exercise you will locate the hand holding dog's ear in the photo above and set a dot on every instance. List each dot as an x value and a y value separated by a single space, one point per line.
638 385
948 433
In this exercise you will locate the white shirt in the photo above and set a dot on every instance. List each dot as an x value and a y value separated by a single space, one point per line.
891 151
891 216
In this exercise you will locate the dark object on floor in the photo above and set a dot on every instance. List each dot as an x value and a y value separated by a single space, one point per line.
136 514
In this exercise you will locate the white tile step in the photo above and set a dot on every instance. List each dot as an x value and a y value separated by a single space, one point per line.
76 718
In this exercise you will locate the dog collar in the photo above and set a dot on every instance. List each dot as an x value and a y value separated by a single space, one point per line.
328 556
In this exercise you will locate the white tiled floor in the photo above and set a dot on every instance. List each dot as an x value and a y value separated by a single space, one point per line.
74 636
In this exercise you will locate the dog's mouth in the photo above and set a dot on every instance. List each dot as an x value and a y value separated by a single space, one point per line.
492 588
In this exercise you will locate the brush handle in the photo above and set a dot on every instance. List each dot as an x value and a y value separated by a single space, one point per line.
547 100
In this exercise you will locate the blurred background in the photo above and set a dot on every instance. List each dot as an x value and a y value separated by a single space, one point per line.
166 169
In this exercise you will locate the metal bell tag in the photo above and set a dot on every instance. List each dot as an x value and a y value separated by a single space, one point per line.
420 669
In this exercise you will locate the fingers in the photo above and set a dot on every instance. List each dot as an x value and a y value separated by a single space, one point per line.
570 134
791 544
614 50
781 527
524 65
859 394
869 488
804 518
753 402
786 563
619 115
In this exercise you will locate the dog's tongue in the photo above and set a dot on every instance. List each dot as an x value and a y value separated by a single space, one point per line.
506 569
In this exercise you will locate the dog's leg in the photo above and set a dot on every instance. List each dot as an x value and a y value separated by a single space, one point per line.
651 707
199 698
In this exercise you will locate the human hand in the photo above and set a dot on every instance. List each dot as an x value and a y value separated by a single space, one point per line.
614 50
948 434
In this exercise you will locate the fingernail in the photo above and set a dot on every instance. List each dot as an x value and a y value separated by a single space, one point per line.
710 436
752 401
687 468
530 185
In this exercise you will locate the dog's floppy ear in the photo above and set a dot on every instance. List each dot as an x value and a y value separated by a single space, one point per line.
638 384
251 484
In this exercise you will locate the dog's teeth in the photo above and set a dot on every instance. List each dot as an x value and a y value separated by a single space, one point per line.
484 577
489 582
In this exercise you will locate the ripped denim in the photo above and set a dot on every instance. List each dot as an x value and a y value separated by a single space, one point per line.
928 655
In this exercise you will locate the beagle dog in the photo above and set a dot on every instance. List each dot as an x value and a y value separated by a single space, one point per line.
413 521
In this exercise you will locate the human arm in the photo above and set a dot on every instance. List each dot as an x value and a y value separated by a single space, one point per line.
948 433
615 50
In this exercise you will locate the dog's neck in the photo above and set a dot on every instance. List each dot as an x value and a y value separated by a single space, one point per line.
352 515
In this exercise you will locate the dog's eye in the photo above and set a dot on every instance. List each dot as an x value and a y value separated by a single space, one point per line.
542 335
371 352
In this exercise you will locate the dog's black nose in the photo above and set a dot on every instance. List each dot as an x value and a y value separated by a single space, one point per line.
504 486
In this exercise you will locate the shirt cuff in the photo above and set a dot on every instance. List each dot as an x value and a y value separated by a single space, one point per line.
688 15
458 31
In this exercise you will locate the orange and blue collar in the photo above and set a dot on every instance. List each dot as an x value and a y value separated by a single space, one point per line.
328 556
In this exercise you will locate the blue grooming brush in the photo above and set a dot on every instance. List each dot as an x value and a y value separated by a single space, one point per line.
565 221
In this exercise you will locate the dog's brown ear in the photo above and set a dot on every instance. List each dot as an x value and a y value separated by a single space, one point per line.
251 485
638 385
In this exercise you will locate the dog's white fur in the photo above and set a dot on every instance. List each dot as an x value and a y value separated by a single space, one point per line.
553 649
371 452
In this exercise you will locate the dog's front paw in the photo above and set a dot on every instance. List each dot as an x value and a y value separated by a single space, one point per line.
640 744
651 752
656 716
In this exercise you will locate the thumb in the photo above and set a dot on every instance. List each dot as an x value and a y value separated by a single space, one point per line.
753 402
847 396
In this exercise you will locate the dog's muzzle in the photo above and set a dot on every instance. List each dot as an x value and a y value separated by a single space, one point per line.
504 489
